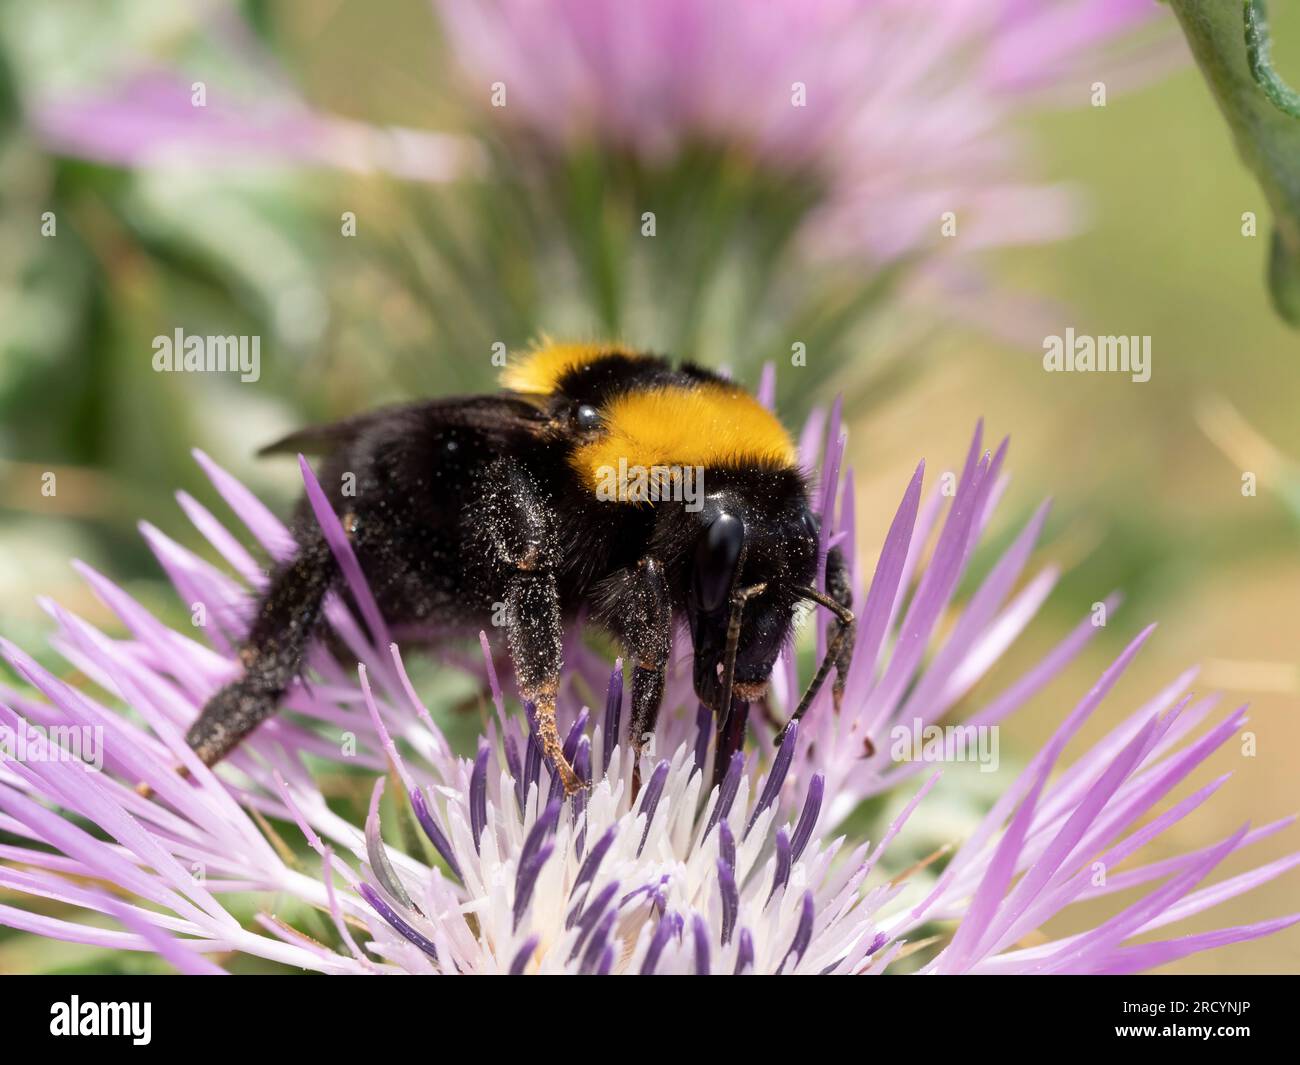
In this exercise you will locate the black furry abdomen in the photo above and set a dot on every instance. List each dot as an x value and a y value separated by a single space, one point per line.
414 484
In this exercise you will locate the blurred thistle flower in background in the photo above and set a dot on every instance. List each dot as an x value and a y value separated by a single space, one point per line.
155 118
898 111
734 182
761 873
795 167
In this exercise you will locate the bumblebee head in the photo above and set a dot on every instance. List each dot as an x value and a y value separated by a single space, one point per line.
756 550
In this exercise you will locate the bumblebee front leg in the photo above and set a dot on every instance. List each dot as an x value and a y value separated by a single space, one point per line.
524 543
645 627
843 633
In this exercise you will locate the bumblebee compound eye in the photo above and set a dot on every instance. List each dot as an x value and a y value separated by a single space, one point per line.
586 416
717 557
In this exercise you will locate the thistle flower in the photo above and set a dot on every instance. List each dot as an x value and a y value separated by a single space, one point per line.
218 100
806 156
901 111
151 119
747 876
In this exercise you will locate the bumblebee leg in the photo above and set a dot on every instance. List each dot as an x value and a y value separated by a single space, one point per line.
517 525
272 654
730 738
844 634
535 638
644 626
832 654
839 653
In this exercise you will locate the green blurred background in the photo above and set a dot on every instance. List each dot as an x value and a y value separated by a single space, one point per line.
1146 478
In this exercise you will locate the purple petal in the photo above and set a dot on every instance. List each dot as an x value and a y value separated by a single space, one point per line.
744 952
599 943
802 934
391 916
378 853
727 793
1034 772
1086 952
781 873
526 880
613 714
700 935
594 857
808 818
570 748
341 547
436 836
591 915
542 828
776 778
524 955
730 899
515 769
478 795
663 932
576 730
727 845
1149 955
266 528
883 592
650 800
494 684
582 768
533 750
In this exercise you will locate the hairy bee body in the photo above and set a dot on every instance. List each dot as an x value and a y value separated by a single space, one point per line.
599 480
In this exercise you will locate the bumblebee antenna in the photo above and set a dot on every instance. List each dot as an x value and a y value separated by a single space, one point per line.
839 653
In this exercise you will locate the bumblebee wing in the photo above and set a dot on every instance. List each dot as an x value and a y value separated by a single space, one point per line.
317 439
505 416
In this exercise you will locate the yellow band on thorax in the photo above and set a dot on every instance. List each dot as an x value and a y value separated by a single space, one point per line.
706 425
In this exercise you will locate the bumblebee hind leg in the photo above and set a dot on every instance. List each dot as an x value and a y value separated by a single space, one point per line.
287 618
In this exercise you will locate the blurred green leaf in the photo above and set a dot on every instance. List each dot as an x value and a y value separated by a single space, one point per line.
1231 43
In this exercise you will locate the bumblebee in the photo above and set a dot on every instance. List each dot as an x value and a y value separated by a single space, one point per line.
600 479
